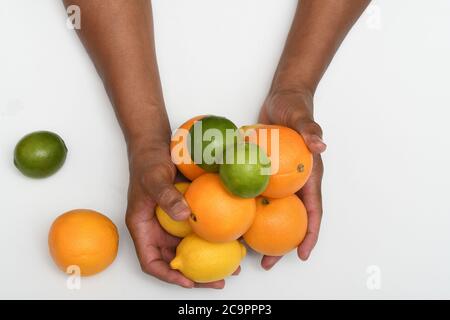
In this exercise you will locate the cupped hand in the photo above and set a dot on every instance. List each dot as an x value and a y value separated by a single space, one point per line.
294 109
152 177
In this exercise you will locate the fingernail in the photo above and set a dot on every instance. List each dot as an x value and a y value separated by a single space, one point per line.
304 256
185 202
267 268
188 286
317 139
181 210
183 215
316 144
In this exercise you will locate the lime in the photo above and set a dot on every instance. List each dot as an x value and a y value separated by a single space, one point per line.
40 154
246 170
208 139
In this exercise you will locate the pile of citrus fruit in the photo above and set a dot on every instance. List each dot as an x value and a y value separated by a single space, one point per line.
243 186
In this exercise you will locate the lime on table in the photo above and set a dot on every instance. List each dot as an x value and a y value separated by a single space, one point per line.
40 154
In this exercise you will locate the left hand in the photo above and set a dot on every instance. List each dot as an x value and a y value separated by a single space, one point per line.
152 176
294 109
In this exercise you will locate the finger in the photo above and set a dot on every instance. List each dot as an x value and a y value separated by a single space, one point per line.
168 254
268 262
159 185
220 284
311 195
217 284
311 133
172 202
308 244
314 220
300 119
238 270
141 225
161 270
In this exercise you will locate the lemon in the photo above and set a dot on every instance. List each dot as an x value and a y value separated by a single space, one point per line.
176 228
204 261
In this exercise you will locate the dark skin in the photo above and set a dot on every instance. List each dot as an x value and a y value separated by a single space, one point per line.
119 38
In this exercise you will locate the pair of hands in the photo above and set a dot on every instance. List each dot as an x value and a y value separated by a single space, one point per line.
152 176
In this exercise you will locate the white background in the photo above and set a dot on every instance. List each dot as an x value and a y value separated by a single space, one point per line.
383 104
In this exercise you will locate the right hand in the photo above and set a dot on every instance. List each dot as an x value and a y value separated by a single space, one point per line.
295 110
152 176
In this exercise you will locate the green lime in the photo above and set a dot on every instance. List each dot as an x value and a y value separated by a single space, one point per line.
208 139
40 154
246 170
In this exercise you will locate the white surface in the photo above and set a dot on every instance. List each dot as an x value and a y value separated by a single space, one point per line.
383 104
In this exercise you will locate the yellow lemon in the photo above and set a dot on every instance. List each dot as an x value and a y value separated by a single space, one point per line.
204 261
176 228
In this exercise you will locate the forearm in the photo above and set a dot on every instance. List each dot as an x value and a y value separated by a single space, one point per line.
318 29
119 38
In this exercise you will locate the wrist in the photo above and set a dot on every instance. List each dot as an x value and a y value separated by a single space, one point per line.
292 90
143 147
300 97
144 125
281 86
152 134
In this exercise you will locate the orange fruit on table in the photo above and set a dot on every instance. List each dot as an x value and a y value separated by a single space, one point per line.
291 159
180 152
83 238
280 225
218 215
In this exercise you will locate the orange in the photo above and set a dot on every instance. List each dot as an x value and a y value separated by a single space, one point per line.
180 152
218 215
290 158
83 238
280 225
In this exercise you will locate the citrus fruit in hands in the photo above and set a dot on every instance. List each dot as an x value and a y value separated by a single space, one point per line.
218 215
180 152
245 171
83 238
176 228
291 159
209 137
40 154
280 225
203 261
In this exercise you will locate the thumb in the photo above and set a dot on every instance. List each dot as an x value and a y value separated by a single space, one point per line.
312 133
171 201
159 186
